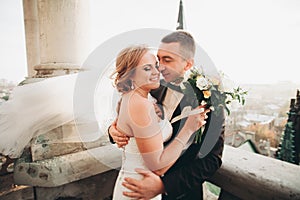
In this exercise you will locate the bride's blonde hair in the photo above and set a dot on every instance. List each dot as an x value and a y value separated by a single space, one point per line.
126 62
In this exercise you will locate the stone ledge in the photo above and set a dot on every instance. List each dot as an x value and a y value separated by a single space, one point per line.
252 176
47 70
64 169
61 141
98 187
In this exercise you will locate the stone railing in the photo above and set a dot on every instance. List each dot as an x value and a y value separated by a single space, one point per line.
246 175
63 169
243 175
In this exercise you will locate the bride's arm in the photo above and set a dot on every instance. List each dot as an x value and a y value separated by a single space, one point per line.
143 121
120 138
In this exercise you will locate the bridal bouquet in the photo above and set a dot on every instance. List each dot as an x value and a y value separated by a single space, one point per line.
210 93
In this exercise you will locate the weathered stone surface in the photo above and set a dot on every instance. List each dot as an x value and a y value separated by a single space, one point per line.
64 169
98 187
19 193
63 140
47 151
252 176
9 191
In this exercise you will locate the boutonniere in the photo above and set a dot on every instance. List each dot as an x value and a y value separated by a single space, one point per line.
210 93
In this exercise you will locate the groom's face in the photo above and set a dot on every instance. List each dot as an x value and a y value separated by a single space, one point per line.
172 65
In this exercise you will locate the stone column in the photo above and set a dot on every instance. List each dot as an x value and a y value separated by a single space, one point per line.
31 24
63 36
53 160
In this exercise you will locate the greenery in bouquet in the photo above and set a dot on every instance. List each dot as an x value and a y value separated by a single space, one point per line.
210 93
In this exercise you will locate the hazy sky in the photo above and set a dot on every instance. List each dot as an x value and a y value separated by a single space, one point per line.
252 41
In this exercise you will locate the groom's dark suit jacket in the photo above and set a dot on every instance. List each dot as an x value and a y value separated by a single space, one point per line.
200 161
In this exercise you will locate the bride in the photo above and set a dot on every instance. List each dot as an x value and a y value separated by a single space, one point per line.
136 74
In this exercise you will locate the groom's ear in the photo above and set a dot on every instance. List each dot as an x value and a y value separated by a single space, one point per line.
189 64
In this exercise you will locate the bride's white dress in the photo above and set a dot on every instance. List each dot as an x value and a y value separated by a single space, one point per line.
34 109
132 159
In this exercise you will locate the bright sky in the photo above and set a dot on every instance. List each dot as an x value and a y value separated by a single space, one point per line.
252 41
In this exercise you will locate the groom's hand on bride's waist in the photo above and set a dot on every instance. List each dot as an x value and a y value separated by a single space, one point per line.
150 186
119 138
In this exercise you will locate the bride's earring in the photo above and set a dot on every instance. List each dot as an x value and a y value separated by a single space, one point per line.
132 86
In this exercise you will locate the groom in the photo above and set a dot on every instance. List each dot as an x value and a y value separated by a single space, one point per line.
185 178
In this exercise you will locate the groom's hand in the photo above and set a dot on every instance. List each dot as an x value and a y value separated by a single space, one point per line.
120 138
147 188
158 110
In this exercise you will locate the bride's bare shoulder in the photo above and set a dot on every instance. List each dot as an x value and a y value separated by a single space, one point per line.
136 101
140 109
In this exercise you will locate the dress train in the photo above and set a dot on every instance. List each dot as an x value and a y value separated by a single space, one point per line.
34 109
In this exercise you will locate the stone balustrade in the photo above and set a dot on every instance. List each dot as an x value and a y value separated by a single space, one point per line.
243 175
246 175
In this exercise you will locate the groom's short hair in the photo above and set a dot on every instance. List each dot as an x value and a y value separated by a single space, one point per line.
185 40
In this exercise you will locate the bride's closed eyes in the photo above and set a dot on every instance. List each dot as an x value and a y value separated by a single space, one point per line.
149 67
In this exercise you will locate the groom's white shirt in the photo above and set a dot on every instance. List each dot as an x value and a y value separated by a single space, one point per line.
170 103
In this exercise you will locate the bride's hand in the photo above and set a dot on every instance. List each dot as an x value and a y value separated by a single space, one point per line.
196 121
120 138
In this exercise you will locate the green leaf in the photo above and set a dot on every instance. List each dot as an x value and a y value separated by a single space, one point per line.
227 109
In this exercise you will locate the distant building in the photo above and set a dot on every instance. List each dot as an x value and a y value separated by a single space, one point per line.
259 118
5 84
6 88
238 138
265 148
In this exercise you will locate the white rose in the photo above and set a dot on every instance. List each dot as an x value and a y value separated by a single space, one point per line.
202 83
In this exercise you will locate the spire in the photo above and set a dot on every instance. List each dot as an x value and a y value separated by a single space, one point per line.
289 148
180 17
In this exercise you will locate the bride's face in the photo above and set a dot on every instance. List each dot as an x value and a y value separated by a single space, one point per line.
146 74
